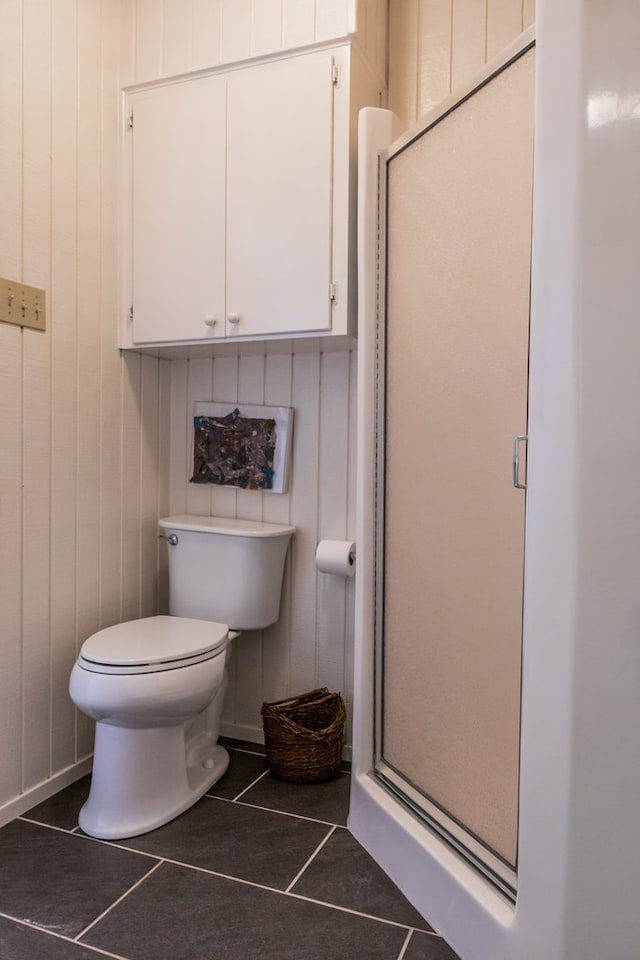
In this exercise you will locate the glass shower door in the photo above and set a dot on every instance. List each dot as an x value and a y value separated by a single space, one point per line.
453 361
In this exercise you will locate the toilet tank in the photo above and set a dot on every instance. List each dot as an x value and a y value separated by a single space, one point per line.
229 571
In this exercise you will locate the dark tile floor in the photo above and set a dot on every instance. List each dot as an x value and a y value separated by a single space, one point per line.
257 869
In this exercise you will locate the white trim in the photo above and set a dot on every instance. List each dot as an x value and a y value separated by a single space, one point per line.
230 65
387 829
239 731
438 819
42 791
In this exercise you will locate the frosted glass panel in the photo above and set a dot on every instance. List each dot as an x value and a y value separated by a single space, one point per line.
457 284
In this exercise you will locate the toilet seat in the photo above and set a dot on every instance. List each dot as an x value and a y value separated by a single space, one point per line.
152 644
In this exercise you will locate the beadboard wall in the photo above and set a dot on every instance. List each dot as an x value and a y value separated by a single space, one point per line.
84 432
436 46
170 37
312 642
94 446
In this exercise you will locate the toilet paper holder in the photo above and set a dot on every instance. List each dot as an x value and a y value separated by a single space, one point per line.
337 557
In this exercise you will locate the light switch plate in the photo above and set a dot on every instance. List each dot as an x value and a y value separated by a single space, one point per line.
22 304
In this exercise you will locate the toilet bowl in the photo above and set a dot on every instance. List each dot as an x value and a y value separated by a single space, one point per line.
155 687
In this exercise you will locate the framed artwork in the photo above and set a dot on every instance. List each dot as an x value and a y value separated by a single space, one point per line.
242 445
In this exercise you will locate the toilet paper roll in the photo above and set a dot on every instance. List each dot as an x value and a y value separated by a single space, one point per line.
336 556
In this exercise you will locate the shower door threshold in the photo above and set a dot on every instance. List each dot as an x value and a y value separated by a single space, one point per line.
433 817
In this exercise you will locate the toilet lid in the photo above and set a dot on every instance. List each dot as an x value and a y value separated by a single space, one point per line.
154 642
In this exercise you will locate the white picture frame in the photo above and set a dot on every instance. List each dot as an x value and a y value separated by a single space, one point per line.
283 417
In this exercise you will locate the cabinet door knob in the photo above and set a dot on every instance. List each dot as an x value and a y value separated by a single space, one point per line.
234 318
209 321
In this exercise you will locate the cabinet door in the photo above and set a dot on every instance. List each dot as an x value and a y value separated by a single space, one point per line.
279 197
178 211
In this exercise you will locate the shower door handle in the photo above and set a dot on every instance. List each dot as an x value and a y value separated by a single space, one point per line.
516 462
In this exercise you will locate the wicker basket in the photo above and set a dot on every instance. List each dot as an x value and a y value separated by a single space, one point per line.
304 735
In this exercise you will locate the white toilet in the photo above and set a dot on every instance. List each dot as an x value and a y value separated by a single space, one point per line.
155 687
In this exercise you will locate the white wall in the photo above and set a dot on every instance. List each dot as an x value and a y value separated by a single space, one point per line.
436 46
584 677
312 643
169 37
83 432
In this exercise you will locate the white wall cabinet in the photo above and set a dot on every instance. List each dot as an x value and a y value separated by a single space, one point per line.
178 210
240 202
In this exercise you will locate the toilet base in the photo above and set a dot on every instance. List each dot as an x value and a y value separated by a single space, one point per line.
143 778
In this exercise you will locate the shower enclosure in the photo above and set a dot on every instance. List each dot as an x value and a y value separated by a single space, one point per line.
447 443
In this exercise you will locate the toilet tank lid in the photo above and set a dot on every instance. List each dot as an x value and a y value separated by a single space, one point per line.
225 525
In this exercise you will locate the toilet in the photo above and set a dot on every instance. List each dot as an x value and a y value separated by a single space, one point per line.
155 686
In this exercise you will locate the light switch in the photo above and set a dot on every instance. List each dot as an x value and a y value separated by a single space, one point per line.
22 304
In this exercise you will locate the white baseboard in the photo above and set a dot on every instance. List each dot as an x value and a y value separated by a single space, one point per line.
237 731
42 791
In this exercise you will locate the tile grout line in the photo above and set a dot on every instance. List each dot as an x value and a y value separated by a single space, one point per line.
117 845
119 900
257 780
283 813
312 857
47 826
75 832
405 945
61 936
252 753
358 913
286 892
263 886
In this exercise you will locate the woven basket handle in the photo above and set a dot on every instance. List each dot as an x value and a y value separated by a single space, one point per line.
313 696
